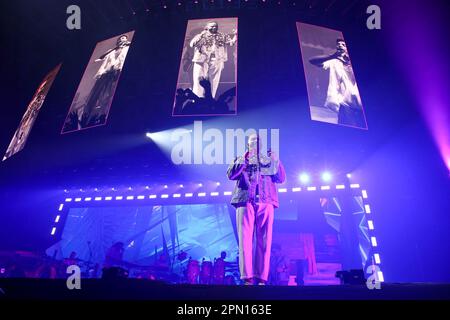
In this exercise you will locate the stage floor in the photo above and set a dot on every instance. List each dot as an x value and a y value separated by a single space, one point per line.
133 289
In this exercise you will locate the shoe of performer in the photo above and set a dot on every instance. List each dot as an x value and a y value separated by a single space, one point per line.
248 282
261 282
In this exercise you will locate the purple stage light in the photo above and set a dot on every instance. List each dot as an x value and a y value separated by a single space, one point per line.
424 64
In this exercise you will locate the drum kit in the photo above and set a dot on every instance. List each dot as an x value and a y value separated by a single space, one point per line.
209 273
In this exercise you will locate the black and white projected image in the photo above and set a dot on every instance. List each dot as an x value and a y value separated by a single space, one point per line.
22 133
332 89
93 99
207 78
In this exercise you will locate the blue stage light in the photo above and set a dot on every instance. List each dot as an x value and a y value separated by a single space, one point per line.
304 178
326 176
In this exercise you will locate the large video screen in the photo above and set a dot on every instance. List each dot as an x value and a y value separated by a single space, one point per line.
22 133
332 89
313 238
346 214
149 234
207 78
91 104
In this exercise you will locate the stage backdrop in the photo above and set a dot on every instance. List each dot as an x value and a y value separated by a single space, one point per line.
208 69
91 104
202 231
26 124
332 90
313 237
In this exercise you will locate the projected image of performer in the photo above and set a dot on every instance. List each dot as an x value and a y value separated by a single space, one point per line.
26 123
255 196
95 109
210 55
343 95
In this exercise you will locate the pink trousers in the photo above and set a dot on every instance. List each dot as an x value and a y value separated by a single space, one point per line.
254 224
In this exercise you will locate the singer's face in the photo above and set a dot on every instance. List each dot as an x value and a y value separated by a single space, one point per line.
122 40
253 142
341 47
212 27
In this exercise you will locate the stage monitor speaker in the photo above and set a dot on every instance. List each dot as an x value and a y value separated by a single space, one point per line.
353 276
